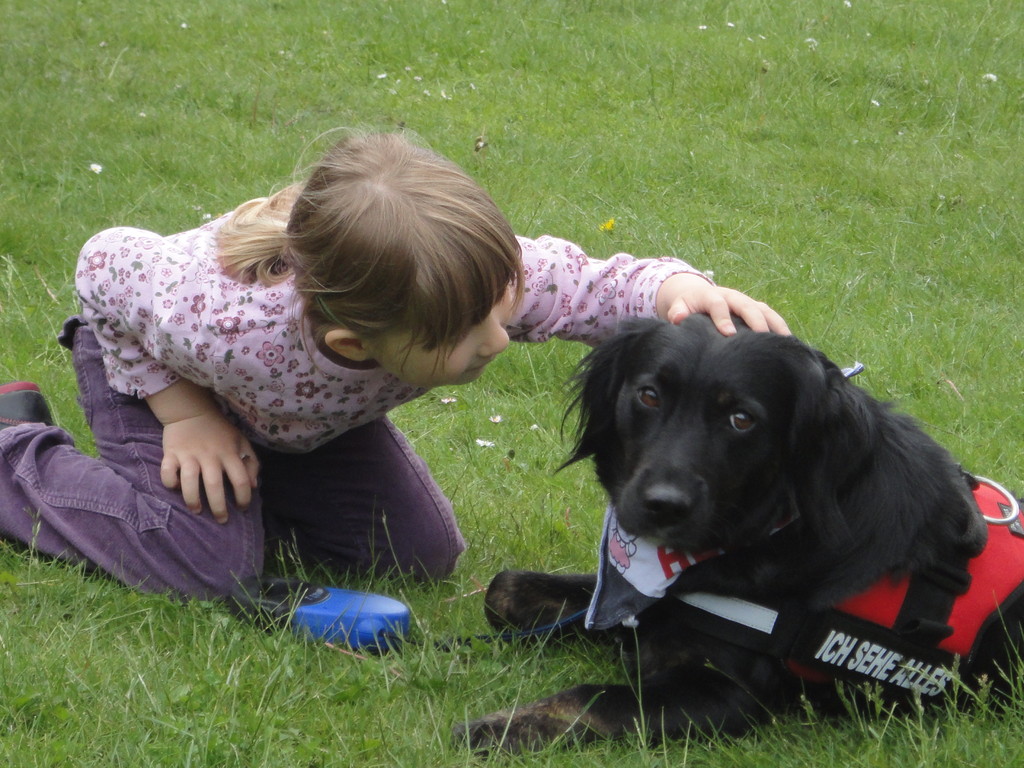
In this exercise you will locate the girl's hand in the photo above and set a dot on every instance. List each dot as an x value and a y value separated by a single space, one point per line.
686 294
202 447
205 449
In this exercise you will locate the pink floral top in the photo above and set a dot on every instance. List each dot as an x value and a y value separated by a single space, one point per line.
162 309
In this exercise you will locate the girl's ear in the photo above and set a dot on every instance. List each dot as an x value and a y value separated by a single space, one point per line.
348 344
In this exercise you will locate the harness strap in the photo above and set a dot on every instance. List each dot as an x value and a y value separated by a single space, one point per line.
770 629
924 615
822 645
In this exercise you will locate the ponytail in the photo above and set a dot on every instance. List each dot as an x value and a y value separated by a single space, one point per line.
252 243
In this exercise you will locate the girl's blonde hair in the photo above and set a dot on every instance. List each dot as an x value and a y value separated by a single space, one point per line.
383 236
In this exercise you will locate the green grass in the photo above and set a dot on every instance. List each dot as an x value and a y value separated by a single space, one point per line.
851 165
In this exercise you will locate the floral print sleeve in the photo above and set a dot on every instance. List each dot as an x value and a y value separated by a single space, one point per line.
118 272
571 296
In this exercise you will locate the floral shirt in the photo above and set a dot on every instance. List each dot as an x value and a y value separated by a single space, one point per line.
162 309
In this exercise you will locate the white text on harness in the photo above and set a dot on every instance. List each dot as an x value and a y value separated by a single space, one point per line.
886 665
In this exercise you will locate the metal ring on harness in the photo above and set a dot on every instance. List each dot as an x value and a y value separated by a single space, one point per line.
1014 506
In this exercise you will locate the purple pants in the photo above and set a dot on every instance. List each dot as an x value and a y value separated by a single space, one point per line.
365 501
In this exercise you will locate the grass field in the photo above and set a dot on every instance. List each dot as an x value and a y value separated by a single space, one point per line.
855 164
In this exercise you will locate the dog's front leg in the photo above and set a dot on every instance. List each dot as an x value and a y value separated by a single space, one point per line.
676 703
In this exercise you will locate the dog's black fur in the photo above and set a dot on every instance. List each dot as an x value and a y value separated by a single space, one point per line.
704 441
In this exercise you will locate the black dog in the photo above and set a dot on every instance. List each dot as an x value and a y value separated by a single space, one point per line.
758 447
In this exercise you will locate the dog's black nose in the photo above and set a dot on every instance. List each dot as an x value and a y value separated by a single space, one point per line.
667 502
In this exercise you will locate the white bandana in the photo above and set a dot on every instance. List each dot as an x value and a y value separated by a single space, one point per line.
633 574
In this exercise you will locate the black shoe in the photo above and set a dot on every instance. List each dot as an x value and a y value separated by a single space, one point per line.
22 403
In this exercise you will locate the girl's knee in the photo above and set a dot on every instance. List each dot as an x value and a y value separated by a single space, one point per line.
438 563
432 553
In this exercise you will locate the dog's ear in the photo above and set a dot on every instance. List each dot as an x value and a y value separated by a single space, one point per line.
595 389
831 435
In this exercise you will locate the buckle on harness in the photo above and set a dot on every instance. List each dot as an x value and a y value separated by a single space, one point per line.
1012 509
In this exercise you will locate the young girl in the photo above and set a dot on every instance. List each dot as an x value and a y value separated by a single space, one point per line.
237 376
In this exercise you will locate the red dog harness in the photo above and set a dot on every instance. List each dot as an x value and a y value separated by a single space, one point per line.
904 633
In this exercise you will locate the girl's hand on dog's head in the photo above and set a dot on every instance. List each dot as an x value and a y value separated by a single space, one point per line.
687 294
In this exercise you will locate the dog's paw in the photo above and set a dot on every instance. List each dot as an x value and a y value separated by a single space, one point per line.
512 731
526 600
568 715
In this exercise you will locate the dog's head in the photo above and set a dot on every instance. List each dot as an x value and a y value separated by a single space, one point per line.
698 437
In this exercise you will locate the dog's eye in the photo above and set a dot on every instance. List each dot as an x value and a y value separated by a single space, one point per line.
741 421
649 397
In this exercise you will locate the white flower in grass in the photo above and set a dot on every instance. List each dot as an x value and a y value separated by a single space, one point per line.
485 443
449 400
496 418
989 78
811 43
95 167
875 103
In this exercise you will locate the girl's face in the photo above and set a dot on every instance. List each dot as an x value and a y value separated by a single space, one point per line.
460 364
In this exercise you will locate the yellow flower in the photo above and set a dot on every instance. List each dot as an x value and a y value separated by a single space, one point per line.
608 226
